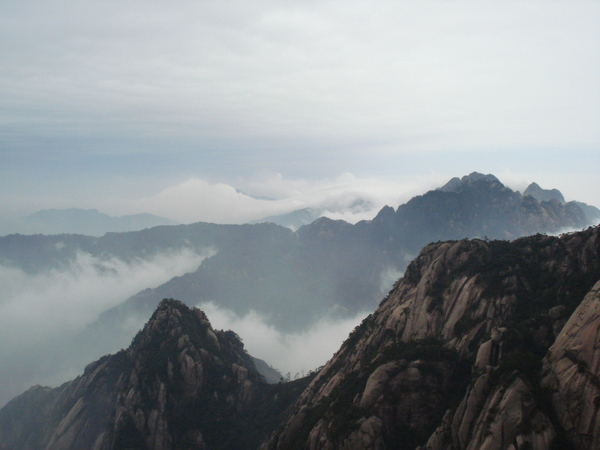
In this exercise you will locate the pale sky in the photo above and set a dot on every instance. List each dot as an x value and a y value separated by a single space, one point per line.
110 104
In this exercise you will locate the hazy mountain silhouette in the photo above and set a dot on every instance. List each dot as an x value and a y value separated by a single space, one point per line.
89 222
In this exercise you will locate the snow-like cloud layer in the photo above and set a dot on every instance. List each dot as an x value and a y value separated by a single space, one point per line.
128 98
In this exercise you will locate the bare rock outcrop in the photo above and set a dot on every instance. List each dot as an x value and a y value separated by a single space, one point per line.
572 373
495 415
452 357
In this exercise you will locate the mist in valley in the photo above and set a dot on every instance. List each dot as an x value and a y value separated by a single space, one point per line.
42 313
293 352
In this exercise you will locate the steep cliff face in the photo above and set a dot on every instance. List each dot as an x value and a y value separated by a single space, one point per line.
180 384
454 353
572 373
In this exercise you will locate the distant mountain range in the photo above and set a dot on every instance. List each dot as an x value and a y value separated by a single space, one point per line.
305 216
294 219
88 222
324 269
481 344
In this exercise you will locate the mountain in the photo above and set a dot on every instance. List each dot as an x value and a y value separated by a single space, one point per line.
329 269
482 344
180 384
294 219
474 206
89 222
543 195
591 212
305 216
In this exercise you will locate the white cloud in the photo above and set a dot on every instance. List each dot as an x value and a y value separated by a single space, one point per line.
202 89
296 353
346 197
67 299
40 314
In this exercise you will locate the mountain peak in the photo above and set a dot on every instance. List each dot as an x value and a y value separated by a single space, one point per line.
177 370
543 195
458 184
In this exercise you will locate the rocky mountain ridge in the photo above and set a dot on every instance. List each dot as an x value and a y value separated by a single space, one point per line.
454 356
475 205
481 344
180 384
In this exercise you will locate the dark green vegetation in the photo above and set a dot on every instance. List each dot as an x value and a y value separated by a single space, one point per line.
225 424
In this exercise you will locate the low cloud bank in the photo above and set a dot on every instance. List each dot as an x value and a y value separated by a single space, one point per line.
296 353
345 197
40 314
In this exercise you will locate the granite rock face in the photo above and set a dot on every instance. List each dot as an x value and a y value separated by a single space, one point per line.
453 356
572 373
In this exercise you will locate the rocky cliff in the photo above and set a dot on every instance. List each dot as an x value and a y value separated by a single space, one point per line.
453 357
180 384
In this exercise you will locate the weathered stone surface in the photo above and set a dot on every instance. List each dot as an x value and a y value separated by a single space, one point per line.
376 383
456 296
510 416
572 372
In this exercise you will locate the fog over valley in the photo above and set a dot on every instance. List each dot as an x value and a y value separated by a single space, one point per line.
41 313
296 353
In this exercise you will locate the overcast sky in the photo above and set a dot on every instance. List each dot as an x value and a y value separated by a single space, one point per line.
110 104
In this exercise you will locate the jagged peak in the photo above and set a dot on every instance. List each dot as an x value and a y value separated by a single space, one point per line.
173 320
457 184
172 311
386 213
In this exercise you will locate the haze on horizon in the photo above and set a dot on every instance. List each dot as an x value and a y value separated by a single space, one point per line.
113 105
